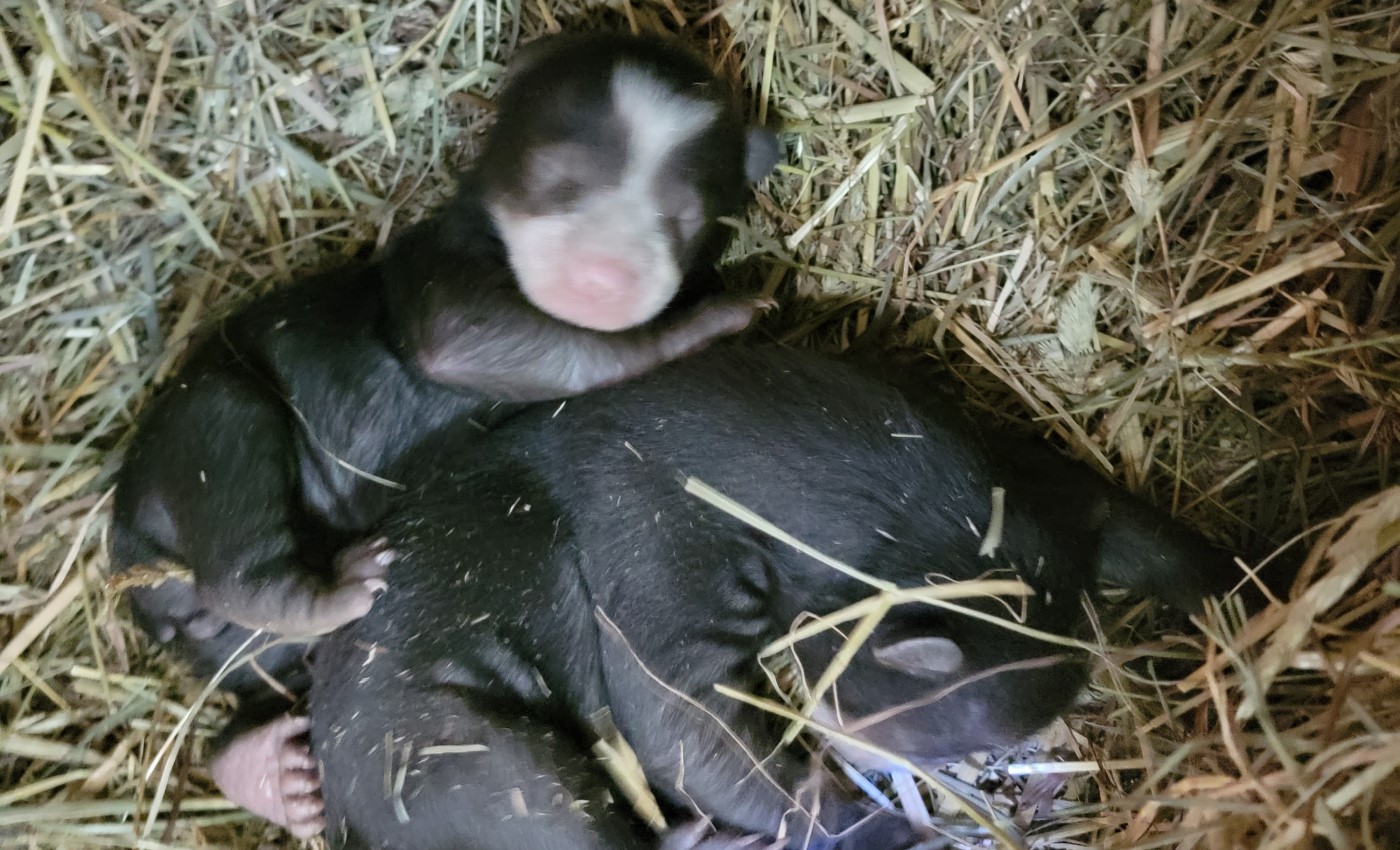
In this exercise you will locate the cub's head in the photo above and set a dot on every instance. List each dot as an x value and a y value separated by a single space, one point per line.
610 160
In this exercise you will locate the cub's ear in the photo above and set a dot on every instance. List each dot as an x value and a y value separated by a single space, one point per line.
925 657
761 153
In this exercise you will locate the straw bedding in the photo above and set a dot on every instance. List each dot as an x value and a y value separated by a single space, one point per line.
1160 234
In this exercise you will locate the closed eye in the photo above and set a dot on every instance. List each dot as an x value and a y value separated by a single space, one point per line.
559 174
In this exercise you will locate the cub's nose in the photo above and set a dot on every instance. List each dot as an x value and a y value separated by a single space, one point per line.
603 278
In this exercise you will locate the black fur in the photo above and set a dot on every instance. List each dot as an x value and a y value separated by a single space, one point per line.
559 568
263 456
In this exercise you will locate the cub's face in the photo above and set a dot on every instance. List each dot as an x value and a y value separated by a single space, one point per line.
607 168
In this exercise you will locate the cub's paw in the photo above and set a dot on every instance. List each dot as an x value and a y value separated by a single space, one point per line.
360 570
270 772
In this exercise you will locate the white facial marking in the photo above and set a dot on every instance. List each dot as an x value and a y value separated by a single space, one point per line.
607 263
658 120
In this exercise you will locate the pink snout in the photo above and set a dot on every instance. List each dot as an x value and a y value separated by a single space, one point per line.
604 278
597 292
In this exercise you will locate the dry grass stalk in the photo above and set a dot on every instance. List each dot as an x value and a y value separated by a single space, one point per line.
1119 224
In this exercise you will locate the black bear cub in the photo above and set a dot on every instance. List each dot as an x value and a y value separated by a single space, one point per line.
592 210
558 568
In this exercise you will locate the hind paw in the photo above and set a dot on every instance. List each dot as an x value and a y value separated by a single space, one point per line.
270 772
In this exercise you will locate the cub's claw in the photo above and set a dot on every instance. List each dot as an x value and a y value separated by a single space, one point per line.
360 570
365 560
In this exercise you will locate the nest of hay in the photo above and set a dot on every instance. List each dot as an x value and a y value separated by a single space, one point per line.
1161 234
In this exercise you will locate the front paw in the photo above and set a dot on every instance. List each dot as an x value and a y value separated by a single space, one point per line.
365 561
730 314
722 316
360 579
301 605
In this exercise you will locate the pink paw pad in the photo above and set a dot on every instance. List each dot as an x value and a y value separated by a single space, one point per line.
270 772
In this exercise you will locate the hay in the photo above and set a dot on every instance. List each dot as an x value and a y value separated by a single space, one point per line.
1161 234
